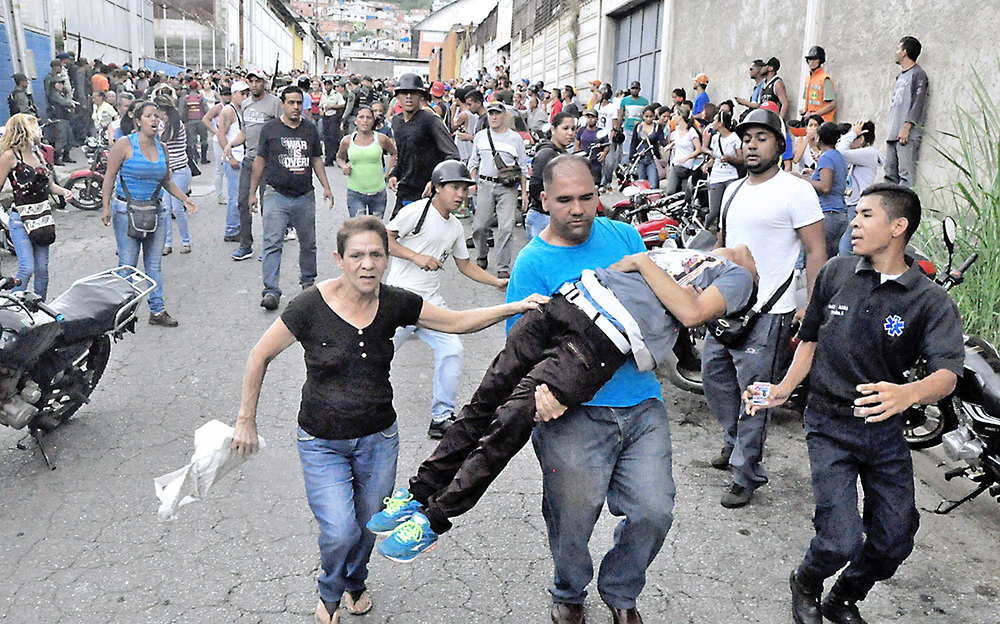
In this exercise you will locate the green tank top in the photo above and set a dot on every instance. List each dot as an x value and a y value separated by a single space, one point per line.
367 172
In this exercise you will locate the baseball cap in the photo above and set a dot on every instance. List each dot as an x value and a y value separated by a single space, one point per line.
771 106
437 89
773 63
595 83
701 79
255 71
496 106
590 112
19 77
62 56
635 85
238 85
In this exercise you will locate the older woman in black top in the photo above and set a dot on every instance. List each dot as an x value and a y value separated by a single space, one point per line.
348 439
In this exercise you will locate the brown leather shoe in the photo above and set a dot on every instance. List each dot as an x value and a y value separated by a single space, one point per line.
567 613
625 616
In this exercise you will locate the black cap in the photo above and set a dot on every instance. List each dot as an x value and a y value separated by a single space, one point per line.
635 85
773 63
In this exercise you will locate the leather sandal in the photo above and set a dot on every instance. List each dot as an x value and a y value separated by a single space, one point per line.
357 607
323 616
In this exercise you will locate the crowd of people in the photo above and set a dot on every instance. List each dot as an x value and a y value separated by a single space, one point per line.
785 194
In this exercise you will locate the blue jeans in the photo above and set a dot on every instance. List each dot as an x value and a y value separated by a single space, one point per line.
365 204
592 454
300 213
151 246
448 355
346 481
835 225
182 178
232 203
32 259
535 222
649 172
841 452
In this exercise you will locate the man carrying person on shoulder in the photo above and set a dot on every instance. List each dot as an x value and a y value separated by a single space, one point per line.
777 215
878 303
421 237
289 151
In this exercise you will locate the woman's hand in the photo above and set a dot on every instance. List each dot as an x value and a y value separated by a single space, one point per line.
858 127
346 169
106 215
190 206
245 436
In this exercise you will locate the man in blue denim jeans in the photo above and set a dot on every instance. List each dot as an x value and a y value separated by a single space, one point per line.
614 448
288 149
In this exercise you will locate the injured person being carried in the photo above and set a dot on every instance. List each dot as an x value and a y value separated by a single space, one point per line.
573 344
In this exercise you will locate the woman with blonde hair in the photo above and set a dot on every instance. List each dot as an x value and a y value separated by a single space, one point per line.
32 228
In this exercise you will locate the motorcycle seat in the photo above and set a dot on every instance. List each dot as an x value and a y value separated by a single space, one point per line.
90 306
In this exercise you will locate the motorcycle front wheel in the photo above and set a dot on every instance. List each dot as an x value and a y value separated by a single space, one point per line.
925 424
70 388
86 193
682 367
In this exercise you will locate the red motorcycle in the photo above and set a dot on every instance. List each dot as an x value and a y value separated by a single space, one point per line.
86 184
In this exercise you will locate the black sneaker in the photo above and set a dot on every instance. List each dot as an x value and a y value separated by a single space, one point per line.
231 238
469 243
162 319
307 285
482 262
242 254
269 302
737 496
840 610
438 428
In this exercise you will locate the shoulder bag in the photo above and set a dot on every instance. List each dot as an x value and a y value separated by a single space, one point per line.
507 175
143 215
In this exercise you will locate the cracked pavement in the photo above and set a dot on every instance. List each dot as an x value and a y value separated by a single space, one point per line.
82 544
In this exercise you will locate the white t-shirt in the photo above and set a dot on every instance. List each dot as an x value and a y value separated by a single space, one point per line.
683 145
605 120
723 171
438 237
764 217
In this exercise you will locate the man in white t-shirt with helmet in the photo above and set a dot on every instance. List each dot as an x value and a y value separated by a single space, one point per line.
421 237
776 215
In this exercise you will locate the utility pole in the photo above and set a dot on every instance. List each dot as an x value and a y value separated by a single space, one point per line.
241 33
184 40
166 54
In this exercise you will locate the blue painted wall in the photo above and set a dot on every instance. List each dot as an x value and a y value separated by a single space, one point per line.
40 45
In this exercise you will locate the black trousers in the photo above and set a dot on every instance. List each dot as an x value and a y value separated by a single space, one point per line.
558 345
331 138
842 451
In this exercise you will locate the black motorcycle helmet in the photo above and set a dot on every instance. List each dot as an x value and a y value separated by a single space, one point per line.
451 171
411 82
304 82
816 52
606 91
763 117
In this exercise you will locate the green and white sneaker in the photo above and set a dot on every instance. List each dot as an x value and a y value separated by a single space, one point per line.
413 537
398 510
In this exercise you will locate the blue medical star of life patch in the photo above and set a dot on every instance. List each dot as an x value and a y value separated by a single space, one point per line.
894 326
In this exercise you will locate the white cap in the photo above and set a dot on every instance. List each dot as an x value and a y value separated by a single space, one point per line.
239 85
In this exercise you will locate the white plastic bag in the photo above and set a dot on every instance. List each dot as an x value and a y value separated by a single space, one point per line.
212 459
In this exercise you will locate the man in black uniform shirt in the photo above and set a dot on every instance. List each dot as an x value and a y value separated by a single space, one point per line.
422 141
879 304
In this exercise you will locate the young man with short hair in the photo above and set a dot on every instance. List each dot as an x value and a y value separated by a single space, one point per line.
229 127
906 115
880 304
421 238
288 153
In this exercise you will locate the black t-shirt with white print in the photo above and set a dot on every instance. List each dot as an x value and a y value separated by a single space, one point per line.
289 153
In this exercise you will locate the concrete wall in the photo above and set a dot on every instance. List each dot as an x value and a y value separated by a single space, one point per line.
721 37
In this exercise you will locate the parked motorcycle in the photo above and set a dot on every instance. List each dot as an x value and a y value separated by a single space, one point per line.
968 421
86 184
53 355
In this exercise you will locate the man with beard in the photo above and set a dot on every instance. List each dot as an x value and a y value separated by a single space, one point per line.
776 215
422 141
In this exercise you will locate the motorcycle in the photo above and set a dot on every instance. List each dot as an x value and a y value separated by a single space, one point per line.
52 355
86 184
967 423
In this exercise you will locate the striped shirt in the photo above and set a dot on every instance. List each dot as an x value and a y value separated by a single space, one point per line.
177 149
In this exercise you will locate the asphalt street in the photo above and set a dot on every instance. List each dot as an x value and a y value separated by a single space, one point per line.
82 544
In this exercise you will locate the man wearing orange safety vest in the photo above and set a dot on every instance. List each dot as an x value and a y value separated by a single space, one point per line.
821 99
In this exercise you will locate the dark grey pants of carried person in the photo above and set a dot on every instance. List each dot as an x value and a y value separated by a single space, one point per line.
558 345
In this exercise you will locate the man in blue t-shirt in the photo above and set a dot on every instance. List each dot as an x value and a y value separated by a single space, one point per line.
615 447
630 114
